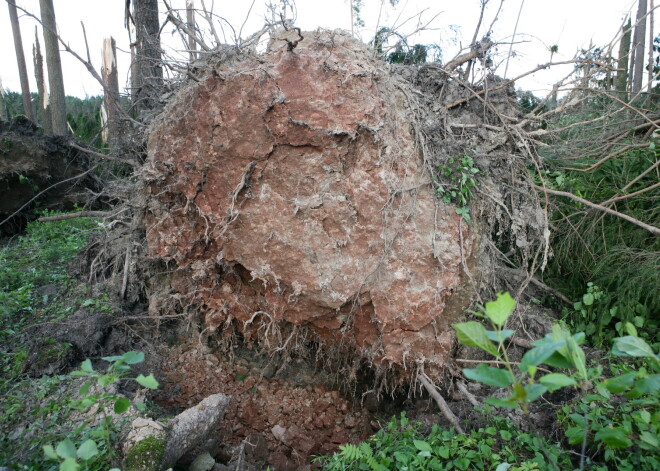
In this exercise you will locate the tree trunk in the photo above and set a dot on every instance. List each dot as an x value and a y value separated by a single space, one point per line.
54 64
3 106
622 64
640 41
147 71
190 19
46 121
20 59
111 94
651 37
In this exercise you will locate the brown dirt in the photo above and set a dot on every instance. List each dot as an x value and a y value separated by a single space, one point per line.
296 417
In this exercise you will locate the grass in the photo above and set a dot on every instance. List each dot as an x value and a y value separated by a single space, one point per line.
35 287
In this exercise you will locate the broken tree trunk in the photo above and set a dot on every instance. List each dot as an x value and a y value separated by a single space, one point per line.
46 120
622 64
20 60
54 64
110 76
639 42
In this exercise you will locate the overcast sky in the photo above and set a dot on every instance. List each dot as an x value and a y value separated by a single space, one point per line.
569 24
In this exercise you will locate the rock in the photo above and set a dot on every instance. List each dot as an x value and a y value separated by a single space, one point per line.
279 432
203 462
290 189
191 427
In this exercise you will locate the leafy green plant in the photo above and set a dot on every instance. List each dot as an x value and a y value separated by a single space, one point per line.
591 419
600 320
97 449
559 349
457 178
402 446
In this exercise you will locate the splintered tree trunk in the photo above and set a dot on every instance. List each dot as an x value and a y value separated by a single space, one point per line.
111 93
46 121
3 106
190 19
20 59
54 64
639 42
147 70
621 84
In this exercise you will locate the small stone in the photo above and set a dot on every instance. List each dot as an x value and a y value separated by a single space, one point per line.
278 432
203 462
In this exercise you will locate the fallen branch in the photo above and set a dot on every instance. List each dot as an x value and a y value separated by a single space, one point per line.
44 191
79 214
103 156
442 404
469 396
652 229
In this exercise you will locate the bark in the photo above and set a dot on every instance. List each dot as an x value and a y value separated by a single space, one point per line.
147 68
111 94
190 19
622 64
44 105
54 64
640 41
20 59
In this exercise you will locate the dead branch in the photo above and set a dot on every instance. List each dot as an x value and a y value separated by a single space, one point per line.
79 214
652 229
103 156
86 172
442 404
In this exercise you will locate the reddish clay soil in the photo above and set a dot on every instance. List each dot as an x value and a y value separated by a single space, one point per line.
296 421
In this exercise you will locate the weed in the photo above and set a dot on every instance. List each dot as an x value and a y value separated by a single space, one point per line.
457 180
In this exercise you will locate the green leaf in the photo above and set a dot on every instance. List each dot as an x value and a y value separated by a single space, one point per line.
534 391
503 467
630 328
473 334
619 384
66 449
630 346
490 376
133 357
588 299
84 389
121 405
86 366
649 438
422 445
147 381
88 450
538 355
648 385
107 379
613 437
506 435
69 464
49 451
498 311
554 381
509 403
499 336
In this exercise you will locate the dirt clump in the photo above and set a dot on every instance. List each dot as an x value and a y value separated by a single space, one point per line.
287 191
30 162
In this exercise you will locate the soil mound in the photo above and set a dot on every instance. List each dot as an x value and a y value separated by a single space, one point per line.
288 192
